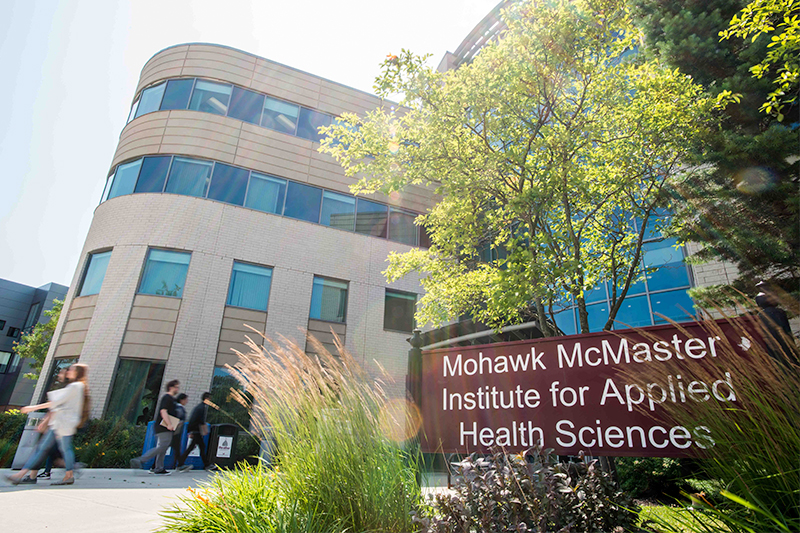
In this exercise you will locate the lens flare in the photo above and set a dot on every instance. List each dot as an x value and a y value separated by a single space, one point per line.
394 146
755 180
400 420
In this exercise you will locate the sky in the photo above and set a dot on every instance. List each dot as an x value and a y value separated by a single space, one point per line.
70 69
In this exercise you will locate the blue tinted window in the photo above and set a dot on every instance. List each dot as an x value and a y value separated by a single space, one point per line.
153 174
328 300
338 211
125 179
95 273
309 122
150 99
189 177
371 218
211 97
672 271
177 94
302 201
633 313
134 108
598 316
165 273
228 184
565 320
673 304
250 286
246 105
595 294
265 193
401 227
280 116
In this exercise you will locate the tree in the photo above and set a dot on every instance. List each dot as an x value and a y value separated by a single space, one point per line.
766 16
34 344
744 207
545 149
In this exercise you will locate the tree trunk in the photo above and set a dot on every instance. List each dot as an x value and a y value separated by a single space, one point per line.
541 316
583 314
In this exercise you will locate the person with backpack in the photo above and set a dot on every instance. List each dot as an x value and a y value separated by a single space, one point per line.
197 429
166 422
69 410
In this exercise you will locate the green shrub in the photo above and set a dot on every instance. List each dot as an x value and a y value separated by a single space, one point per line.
247 449
11 425
504 492
653 477
108 443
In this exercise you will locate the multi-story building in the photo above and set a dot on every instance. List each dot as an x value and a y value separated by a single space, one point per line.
219 212
21 308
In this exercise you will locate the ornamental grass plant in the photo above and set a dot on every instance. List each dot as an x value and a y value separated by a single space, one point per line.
756 451
339 461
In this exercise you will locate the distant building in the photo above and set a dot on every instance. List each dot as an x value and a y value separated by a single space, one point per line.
21 308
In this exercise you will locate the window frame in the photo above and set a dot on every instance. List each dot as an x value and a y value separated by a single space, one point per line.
86 268
230 285
346 298
402 294
144 270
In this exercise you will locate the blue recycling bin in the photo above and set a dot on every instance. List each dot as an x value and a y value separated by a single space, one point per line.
170 460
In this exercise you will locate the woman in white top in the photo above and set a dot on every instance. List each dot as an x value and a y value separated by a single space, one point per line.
69 408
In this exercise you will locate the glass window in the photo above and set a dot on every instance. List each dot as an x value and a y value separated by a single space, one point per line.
177 94
401 227
95 273
134 107
398 310
230 410
189 177
5 362
136 390
633 313
598 316
371 218
302 201
228 184
2 325
565 320
595 294
675 305
246 105
280 116
151 99
153 174
58 365
338 211
265 193
309 122
107 188
211 97
33 315
125 179
424 237
165 273
250 286
671 272
328 300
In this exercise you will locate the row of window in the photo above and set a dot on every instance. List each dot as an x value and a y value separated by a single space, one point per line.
270 194
9 362
232 101
165 275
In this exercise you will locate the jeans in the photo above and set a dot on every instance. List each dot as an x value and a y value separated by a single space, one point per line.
163 440
46 444
197 440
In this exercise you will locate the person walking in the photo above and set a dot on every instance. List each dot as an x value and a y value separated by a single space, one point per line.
197 429
180 408
69 409
165 422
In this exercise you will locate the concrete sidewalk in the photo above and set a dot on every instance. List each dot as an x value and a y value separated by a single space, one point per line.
101 501
106 501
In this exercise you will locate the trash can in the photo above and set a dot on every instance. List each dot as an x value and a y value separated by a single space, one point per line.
28 440
222 445
150 442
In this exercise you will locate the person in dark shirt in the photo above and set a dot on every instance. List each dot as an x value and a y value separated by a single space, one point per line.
164 429
177 436
196 427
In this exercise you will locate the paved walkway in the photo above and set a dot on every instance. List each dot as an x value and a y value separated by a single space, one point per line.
102 501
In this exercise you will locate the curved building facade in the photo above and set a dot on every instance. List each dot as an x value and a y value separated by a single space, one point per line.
219 212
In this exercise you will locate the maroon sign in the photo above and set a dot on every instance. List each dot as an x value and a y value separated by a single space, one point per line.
569 393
